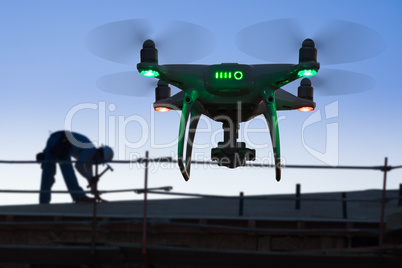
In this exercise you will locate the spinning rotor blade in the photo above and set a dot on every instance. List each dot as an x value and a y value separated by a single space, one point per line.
331 82
127 84
177 42
336 41
271 40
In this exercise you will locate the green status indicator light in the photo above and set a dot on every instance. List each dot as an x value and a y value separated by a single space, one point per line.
238 75
150 73
307 73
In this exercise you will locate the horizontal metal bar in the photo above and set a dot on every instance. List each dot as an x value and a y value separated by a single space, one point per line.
81 222
171 160
139 160
165 188
271 230
272 198
197 225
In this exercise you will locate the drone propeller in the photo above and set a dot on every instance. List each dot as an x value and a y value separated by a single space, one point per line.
331 82
177 42
129 84
336 41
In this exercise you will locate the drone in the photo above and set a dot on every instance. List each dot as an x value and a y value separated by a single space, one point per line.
230 93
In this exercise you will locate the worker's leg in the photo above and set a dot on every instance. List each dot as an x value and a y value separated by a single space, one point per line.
48 172
71 180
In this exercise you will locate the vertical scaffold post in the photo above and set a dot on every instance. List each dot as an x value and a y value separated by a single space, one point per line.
344 206
297 204
380 237
144 223
241 203
94 217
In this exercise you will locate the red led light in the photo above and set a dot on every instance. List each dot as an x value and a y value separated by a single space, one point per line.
305 109
162 109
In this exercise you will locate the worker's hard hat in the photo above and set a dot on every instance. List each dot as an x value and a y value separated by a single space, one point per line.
107 154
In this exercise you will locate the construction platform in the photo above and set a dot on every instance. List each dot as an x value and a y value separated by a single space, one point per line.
331 229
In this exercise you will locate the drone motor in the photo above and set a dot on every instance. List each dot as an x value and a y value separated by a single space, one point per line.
305 91
148 52
162 91
308 52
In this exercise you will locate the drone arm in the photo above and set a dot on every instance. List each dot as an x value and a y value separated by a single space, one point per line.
272 120
188 101
278 75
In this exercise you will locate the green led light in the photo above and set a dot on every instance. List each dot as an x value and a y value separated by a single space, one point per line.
306 73
150 73
238 75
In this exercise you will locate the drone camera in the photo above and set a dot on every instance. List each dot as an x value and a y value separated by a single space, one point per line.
232 157
305 90
149 53
307 52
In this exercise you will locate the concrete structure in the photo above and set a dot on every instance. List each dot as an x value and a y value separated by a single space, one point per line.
255 231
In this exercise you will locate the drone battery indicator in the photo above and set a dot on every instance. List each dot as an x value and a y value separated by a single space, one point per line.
229 79
238 75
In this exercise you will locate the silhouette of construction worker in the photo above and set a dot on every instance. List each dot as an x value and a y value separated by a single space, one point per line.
61 146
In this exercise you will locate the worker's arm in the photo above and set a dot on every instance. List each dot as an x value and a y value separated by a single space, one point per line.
84 163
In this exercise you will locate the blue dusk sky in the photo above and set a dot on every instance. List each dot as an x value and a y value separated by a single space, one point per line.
48 82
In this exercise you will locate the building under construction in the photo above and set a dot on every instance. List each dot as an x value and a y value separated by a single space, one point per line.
328 229
349 229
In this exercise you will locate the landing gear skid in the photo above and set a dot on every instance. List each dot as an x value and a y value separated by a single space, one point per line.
229 153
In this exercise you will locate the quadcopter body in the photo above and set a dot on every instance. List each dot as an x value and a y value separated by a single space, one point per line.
230 93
